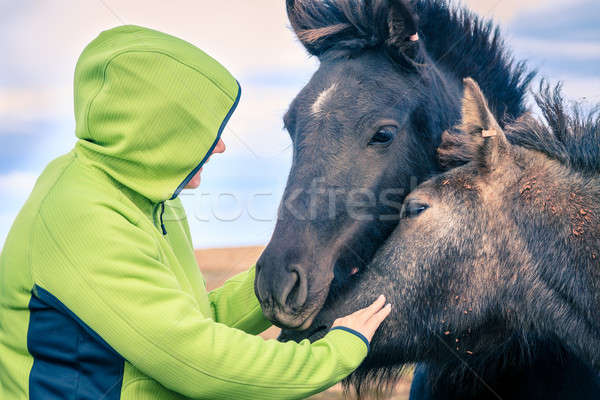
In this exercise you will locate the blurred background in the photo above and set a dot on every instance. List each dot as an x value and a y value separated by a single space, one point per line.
40 42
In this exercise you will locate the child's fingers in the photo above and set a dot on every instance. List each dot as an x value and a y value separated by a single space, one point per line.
375 307
380 315
373 324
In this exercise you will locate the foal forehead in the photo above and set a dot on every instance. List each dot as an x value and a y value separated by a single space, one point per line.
461 182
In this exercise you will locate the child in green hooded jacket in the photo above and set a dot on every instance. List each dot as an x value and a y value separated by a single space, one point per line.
100 293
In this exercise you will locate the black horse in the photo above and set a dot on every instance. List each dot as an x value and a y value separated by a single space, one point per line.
365 131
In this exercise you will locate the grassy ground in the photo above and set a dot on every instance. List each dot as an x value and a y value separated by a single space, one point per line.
218 265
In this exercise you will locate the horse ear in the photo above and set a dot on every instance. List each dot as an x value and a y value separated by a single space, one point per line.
307 20
403 25
480 124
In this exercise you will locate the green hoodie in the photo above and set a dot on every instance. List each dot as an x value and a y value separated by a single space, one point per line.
99 299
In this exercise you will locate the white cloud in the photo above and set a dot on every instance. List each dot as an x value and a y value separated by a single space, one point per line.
550 48
45 41
17 184
259 121
20 107
6 221
42 44
505 10
584 90
46 99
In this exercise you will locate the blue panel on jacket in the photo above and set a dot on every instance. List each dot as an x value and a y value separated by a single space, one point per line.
70 360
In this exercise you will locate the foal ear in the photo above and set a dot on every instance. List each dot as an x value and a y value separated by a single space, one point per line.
480 124
477 119
477 138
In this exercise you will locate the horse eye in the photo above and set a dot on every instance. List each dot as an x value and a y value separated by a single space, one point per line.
413 209
384 135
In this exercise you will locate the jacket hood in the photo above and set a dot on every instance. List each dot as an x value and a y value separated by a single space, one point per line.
150 108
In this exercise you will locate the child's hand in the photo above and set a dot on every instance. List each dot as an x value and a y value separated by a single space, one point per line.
367 320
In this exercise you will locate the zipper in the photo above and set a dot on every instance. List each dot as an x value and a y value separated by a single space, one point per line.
162 223
160 217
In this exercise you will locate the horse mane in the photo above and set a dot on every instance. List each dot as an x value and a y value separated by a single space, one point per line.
566 134
468 45
465 44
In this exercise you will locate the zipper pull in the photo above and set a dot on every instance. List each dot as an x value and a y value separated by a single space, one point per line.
162 223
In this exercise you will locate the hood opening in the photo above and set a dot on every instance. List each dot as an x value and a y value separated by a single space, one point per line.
219 133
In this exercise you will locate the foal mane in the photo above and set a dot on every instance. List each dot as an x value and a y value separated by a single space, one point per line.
465 44
567 133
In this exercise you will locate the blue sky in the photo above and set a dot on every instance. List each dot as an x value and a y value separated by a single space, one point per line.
237 201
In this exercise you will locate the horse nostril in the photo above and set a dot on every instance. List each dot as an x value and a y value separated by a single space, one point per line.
295 291
261 291
288 287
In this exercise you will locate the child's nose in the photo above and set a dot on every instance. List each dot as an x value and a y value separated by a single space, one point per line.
220 147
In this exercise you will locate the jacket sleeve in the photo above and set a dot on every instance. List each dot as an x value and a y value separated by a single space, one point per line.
115 282
235 304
